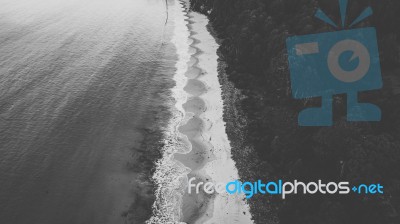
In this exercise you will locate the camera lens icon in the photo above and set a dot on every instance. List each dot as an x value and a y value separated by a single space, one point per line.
359 51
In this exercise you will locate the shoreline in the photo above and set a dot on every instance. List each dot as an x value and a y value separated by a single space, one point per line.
170 175
210 157
196 142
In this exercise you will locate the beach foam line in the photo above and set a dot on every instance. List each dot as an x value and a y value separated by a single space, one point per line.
170 176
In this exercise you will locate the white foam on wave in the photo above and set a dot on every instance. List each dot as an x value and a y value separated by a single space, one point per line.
171 175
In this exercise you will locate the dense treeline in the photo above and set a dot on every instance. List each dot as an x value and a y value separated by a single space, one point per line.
253 34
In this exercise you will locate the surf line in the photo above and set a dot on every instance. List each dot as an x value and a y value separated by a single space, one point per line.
170 175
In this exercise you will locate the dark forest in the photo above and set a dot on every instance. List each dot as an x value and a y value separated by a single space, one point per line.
252 35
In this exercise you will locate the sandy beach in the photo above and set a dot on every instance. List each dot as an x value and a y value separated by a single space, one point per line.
210 156
196 143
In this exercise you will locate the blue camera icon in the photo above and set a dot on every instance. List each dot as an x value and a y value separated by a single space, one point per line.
325 64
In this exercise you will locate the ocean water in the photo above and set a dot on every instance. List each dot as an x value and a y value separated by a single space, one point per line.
85 86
